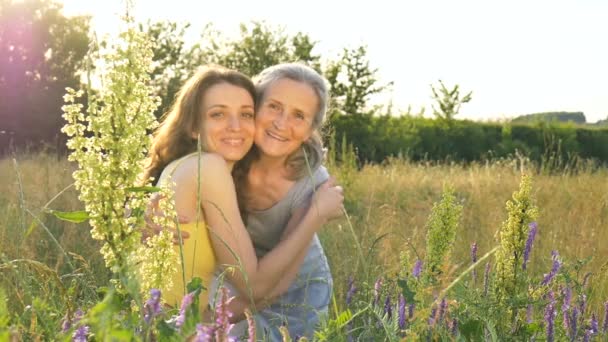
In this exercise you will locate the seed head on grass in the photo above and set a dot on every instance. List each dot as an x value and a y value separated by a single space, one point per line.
352 289
377 288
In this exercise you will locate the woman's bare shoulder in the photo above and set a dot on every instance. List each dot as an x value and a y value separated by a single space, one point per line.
209 167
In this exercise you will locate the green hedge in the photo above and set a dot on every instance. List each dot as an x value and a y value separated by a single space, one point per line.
376 138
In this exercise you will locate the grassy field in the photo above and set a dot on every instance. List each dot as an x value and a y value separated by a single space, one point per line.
387 207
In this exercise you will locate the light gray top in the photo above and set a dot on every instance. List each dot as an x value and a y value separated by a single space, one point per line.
308 296
266 226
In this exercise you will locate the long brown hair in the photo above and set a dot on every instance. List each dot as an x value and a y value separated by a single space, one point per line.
173 138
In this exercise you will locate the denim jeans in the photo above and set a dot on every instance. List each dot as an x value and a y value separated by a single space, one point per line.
300 308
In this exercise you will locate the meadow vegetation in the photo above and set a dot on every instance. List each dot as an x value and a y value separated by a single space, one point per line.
50 267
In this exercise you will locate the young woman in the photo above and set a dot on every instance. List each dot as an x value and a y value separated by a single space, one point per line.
215 109
276 183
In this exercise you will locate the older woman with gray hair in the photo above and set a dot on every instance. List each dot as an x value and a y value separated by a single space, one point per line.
275 183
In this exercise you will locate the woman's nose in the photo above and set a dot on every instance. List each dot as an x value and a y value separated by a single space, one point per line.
279 121
234 124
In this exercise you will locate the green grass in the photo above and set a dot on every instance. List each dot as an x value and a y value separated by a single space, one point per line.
50 266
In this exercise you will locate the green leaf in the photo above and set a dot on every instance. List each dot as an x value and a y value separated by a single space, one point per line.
31 228
492 329
70 216
533 328
471 329
166 332
148 189
408 294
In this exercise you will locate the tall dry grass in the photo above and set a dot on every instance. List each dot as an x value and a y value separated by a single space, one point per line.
388 206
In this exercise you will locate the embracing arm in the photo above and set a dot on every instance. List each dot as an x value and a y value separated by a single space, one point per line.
231 242
238 305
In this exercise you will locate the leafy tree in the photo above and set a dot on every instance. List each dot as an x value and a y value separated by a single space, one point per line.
171 60
448 101
352 81
41 53
258 47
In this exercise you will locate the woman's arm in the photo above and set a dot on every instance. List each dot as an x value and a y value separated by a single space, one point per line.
231 242
238 304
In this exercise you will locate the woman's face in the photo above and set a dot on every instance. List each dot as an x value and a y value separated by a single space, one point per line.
284 118
227 125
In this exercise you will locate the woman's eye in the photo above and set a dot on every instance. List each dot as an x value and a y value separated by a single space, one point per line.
273 106
248 115
216 114
300 116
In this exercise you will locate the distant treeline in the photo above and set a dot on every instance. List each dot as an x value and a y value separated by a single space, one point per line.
46 53
574 117
375 138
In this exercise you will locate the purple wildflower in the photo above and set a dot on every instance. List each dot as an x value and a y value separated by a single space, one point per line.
442 309
222 316
586 278
377 288
554 269
351 290
417 269
80 335
529 313
433 314
186 302
65 324
251 326
594 325
583 303
605 327
454 327
486 279
152 306
573 323
204 333
401 312
474 259
531 235
587 336
566 306
550 317
388 308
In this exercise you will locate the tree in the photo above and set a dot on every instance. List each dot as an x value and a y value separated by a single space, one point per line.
171 60
41 53
258 47
449 101
353 81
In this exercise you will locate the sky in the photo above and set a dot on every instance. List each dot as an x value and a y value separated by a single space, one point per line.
517 57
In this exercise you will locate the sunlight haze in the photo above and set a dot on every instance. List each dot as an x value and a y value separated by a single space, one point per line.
517 57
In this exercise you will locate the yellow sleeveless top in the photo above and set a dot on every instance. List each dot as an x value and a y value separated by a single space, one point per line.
198 261
198 256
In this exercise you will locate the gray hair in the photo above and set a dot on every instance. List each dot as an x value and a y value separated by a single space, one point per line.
311 153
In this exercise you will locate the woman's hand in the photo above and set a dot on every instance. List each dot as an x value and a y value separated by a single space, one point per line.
152 228
328 200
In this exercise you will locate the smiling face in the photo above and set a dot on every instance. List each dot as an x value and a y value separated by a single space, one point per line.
227 124
284 118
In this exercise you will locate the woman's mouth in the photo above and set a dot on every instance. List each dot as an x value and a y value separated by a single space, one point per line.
275 136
